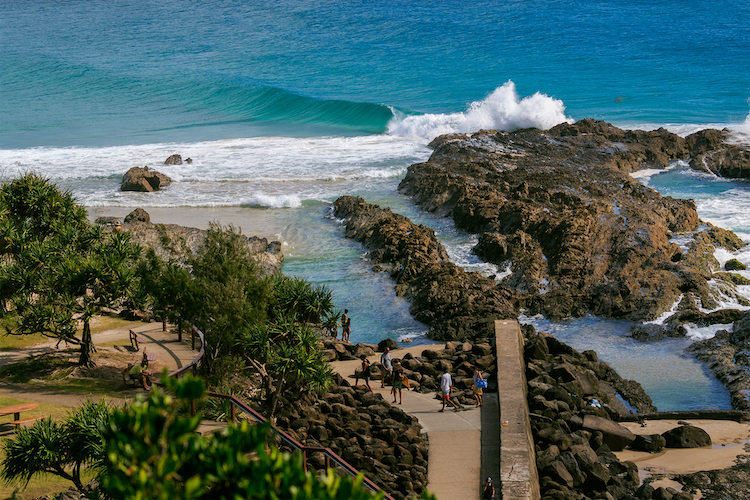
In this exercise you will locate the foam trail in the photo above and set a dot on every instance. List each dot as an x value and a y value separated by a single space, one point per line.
263 200
501 110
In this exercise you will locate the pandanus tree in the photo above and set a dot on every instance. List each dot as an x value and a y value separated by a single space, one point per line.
286 355
56 268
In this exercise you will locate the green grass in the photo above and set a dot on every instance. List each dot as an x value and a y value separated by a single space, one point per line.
98 325
44 367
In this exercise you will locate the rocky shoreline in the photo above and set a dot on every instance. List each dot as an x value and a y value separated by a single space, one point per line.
583 236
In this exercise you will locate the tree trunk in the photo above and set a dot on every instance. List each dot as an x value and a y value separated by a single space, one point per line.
87 346
276 397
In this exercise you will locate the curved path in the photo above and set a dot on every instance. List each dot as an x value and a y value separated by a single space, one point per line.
170 353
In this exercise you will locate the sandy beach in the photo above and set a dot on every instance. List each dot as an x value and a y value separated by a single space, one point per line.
728 441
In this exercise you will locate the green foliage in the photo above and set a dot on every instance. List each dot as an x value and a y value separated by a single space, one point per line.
62 449
303 301
153 452
226 290
286 354
57 265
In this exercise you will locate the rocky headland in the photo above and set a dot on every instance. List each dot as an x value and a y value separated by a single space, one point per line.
581 234
172 241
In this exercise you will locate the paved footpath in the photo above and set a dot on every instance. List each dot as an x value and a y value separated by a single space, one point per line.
461 456
170 353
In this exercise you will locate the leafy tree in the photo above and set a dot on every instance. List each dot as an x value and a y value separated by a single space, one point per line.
287 356
154 452
62 449
300 299
58 268
226 291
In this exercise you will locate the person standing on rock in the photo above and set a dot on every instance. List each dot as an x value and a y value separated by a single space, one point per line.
385 360
446 385
364 374
346 326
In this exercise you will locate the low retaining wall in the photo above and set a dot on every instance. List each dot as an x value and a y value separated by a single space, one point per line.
519 479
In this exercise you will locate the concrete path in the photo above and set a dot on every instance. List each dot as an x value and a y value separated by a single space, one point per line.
170 353
461 456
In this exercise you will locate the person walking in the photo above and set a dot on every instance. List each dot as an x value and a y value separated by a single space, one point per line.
489 490
398 384
478 392
385 360
364 373
446 385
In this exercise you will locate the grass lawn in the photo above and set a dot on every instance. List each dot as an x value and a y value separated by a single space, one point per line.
98 324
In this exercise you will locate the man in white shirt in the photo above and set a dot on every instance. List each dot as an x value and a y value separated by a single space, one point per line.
446 384
385 360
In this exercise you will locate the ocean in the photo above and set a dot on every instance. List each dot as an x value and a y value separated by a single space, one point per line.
283 106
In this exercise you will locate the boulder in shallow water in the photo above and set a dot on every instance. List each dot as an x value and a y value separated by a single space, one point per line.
734 265
174 160
144 180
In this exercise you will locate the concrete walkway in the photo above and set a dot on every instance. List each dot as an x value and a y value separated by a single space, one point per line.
170 353
461 456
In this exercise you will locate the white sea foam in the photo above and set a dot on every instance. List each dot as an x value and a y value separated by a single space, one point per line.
744 129
644 176
705 332
667 314
503 109
224 173
262 200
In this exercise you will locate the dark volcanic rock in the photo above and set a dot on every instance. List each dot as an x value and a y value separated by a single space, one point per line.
573 435
143 179
174 160
711 153
686 436
455 304
581 234
734 265
728 356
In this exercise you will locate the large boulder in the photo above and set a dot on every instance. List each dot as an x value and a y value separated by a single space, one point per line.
616 436
686 436
144 180
174 159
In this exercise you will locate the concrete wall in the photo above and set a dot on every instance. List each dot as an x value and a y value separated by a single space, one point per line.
519 479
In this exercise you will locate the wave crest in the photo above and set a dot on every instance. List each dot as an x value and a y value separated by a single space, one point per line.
502 110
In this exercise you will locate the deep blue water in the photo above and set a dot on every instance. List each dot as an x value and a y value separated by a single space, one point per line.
286 105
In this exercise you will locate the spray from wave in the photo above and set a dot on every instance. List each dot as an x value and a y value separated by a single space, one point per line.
503 110
744 127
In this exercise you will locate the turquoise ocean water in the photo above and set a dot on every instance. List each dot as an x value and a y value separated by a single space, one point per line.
284 106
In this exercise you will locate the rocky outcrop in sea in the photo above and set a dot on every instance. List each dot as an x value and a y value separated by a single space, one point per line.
144 180
454 303
582 236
